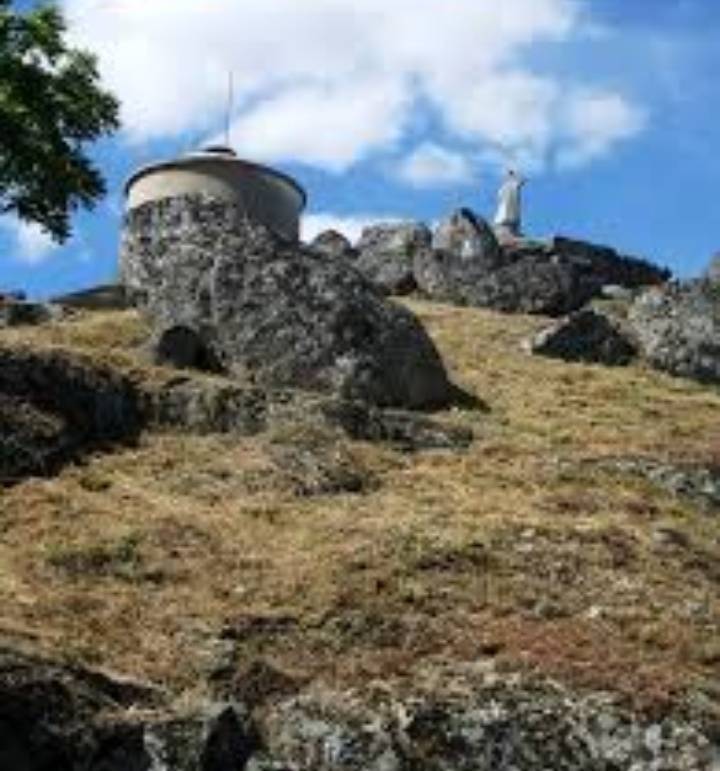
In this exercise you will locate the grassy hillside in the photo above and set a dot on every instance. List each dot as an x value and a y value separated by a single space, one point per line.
161 559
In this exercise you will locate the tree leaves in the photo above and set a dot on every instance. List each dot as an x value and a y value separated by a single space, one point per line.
51 106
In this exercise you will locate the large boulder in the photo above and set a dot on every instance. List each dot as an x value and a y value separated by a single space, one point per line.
585 336
55 407
386 255
531 286
678 327
275 312
333 244
469 237
464 252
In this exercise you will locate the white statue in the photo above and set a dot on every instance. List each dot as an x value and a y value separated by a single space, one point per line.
509 212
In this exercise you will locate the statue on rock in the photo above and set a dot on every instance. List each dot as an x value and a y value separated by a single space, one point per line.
508 218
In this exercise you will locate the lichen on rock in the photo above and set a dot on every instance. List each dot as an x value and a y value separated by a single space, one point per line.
279 313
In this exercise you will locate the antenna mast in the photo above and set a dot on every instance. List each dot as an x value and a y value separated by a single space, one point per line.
230 100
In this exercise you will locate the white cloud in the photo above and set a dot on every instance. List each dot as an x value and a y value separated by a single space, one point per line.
29 242
595 122
350 226
331 82
431 165
512 112
328 127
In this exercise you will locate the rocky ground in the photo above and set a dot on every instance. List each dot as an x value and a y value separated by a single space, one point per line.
525 579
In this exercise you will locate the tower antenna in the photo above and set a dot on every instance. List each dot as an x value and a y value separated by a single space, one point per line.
230 105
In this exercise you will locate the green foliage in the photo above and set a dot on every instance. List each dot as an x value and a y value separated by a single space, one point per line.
51 105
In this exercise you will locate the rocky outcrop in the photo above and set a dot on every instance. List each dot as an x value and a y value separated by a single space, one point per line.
697 482
559 276
467 266
57 406
678 327
469 237
464 252
446 718
54 407
467 719
586 336
386 254
275 312
73 719
333 245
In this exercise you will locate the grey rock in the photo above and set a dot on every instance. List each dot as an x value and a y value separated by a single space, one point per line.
525 276
404 430
602 265
54 407
334 245
215 737
445 717
585 336
275 312
469 238
559 276
695 481
469 721
678 328
465 251
386 253
531 286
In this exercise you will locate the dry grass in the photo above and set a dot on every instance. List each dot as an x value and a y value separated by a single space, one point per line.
137 560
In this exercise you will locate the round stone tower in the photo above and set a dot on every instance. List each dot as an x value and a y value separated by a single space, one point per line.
263 195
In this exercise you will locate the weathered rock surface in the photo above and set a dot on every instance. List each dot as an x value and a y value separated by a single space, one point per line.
386 254
404 430
469 237
473 721
587 336
678 328
56 406
53 407
277 312
464 252
72 719
448 718
697 482
557 277
333 245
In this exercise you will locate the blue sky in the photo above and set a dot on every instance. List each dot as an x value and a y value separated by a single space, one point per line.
407 110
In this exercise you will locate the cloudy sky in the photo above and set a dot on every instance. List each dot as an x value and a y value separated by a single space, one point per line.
394 109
